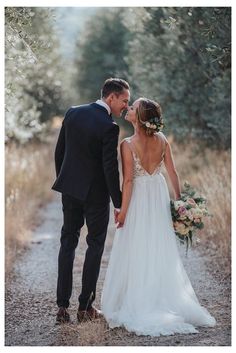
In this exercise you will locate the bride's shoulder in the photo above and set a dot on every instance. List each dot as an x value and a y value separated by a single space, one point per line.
126 147
126 139
162 136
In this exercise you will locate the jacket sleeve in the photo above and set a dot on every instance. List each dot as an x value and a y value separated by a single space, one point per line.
60 149
110 164
61 143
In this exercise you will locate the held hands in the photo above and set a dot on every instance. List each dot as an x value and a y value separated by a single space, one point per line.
116 213
119 218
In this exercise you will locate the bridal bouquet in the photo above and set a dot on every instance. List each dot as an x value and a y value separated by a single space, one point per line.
188 214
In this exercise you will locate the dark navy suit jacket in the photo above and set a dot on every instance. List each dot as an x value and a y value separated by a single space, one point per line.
86 155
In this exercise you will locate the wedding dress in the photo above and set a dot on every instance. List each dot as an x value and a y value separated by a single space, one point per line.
146 288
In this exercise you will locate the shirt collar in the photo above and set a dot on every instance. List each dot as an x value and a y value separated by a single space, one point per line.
104 104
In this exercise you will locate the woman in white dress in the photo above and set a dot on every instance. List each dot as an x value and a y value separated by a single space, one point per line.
146 289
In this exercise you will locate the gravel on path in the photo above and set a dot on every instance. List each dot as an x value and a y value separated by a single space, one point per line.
30 297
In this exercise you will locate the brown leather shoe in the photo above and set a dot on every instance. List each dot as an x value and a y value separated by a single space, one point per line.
90 314
62 315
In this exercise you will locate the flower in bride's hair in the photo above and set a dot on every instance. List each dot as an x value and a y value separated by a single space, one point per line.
153 126
148 124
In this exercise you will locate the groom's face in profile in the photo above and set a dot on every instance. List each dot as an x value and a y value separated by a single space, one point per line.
119 102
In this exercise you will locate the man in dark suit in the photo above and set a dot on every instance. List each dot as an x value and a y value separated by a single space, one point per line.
87 176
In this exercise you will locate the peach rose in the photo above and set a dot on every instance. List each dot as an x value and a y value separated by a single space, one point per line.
180 228
191 202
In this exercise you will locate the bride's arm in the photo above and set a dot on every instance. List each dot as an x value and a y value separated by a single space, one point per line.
127 168
171 170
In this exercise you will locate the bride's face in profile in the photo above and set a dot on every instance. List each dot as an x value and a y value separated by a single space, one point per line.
131 113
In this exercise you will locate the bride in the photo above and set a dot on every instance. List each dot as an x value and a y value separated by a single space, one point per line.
146 289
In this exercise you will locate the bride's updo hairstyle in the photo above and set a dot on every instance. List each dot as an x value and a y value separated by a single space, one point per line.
149 116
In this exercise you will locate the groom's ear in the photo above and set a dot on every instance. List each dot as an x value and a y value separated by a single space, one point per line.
111 96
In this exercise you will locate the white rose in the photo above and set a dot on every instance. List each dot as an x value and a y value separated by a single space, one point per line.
178 204
202 206
148 124
189 215
197 213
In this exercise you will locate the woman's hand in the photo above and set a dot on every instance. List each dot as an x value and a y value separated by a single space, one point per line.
121 219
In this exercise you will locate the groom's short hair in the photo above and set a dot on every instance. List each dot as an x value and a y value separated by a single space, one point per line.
116 85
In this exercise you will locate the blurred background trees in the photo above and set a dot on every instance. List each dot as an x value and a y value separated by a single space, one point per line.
179 56
33 73
101 52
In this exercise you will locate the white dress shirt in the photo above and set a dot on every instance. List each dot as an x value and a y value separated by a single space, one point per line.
104 104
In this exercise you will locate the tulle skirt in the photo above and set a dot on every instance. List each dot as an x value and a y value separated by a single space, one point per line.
146 288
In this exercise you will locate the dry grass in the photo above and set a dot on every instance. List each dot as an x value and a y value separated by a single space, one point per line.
29 173
209 172
97 333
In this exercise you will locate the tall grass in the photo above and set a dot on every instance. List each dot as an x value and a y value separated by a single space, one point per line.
209 171
29 172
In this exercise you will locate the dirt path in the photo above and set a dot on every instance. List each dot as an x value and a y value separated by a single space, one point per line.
30 297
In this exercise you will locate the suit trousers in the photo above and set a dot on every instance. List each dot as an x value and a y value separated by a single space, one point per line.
75 212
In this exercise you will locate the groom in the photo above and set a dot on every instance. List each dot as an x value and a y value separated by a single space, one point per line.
87 176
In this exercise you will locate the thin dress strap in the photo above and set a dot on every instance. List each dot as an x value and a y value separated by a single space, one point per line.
131 147
163 144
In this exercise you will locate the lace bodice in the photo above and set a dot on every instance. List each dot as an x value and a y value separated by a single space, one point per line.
139 171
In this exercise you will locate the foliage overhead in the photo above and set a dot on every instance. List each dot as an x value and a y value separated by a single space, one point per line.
179 56
33 72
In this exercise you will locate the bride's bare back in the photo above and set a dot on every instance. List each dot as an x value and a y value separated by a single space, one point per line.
150 151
